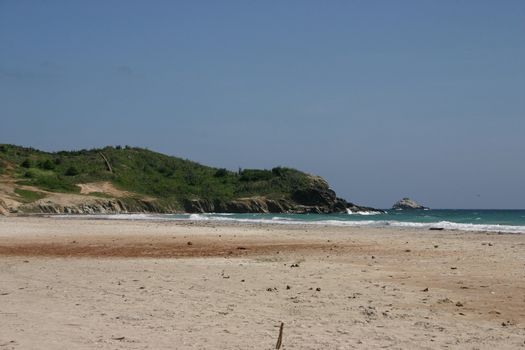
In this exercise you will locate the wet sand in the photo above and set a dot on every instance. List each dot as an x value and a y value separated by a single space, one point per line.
104 284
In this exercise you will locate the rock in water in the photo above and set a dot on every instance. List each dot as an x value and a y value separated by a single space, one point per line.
407 203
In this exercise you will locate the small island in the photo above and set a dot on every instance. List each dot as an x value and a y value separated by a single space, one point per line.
407 203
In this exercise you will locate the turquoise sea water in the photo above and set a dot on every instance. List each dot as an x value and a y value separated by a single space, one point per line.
508 221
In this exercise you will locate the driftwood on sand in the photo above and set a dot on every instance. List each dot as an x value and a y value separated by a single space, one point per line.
280 338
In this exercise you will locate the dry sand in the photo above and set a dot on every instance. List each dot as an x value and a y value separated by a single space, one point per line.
93 284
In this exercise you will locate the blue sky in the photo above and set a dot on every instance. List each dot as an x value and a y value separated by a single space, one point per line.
384 99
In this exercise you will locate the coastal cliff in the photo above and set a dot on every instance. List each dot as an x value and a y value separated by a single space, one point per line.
133 180
317 201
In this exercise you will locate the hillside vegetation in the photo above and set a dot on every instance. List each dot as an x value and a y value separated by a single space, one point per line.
144 174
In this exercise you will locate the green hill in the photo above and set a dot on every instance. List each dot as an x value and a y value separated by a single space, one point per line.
166 183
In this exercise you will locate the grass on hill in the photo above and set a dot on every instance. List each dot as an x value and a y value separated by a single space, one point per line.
146 173
29 196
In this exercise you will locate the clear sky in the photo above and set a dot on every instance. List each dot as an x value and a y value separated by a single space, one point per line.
384 99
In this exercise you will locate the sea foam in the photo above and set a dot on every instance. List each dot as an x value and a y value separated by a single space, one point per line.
309 220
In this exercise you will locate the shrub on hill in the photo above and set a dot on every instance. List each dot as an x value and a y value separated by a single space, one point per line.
255 175
26 163
46 164
221 173
72 171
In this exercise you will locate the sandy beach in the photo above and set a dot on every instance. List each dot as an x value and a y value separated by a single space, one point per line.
114 284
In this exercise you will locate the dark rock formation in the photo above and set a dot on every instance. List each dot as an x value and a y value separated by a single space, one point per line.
99 206
313 200
407 203
315 203
317 199
3 208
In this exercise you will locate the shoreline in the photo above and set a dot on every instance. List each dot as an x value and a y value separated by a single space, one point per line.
226 219
121 284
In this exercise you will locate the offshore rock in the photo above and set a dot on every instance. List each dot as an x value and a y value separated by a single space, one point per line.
407 203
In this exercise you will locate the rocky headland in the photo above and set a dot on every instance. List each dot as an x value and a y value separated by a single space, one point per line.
319 199
133 180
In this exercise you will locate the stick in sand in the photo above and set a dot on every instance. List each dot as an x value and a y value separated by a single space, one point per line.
280 339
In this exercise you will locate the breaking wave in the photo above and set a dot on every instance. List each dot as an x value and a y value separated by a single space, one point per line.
365 213
315 220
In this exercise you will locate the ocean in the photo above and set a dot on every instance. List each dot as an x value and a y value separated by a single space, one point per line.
506 221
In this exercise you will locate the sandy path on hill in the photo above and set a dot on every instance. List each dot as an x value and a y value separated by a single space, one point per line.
102 187
93 284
